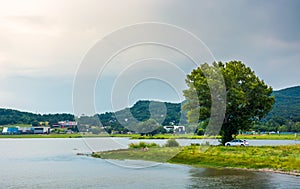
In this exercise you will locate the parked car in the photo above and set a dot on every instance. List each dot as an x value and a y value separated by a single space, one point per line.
237 142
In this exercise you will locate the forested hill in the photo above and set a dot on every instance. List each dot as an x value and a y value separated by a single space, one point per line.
8 116
140 111
287 105
286 108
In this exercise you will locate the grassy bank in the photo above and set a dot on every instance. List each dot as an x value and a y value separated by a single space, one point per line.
276 158
191 136
170 136
270 137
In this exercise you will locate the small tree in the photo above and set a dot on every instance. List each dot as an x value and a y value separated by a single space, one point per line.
200 131
35 123
296 127
147 127
95 130
172 143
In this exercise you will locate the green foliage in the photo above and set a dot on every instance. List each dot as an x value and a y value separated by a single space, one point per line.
95 130
283 158
200 131
143 145
35 123
89 120
296 127
13 117
153 154
146 127
172 143
140 111
282 128
279 158
270 137
59 130
247 97
286 110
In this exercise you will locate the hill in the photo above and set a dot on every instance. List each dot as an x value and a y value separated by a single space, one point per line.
140 111
285 110
10 117
287 105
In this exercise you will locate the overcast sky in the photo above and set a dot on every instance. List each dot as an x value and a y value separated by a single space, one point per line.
43 43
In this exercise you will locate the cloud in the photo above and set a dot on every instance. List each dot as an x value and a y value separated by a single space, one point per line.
43 42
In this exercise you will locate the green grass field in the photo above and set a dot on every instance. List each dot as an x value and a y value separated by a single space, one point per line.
270 137
280 158
15 125
191 136
169 136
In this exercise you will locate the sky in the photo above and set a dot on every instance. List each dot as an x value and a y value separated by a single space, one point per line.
45 46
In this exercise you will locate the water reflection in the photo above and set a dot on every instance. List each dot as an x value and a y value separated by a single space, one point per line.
229 178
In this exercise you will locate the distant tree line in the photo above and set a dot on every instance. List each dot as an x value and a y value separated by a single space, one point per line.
284 117
8 116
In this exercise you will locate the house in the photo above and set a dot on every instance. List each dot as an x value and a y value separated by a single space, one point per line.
25 130
66 124
34 130
10 130
4 130
40 130
176 128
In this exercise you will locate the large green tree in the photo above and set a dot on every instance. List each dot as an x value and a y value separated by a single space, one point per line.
246 97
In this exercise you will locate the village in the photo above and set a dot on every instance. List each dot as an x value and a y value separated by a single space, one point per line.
64 126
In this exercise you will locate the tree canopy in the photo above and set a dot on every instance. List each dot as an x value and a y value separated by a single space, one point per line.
247 98
8 116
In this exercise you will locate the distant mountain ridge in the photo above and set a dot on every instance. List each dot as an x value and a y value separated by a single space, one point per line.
286 107
287 104
10 117
140 111
288 92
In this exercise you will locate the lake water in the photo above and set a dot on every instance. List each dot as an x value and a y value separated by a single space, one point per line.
53 163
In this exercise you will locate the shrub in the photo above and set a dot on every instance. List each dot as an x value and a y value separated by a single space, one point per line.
172 143
143 145
200 132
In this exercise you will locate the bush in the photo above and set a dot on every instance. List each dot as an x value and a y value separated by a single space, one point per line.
172 143
95 130
143 145
200 132
58 130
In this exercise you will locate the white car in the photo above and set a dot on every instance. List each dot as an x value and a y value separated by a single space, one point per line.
237 142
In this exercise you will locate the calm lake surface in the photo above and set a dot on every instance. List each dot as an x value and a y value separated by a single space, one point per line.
53 163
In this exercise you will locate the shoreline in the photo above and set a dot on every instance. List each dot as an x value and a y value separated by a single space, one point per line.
275 159
264 170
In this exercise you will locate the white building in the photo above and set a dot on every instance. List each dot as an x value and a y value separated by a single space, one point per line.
175 128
